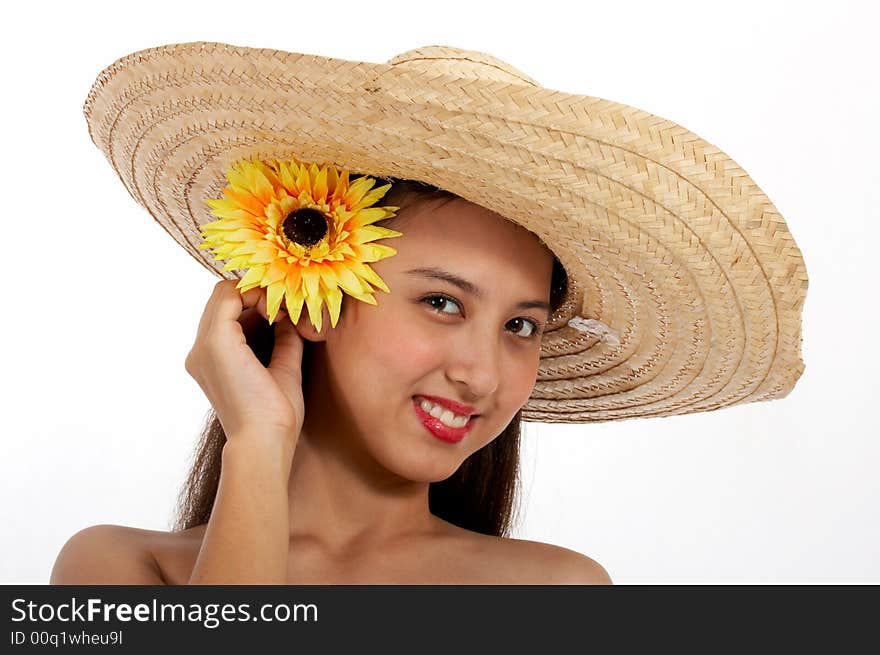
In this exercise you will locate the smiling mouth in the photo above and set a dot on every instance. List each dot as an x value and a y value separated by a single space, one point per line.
430 406
439 429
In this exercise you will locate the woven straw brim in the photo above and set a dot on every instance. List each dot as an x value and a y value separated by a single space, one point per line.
665 239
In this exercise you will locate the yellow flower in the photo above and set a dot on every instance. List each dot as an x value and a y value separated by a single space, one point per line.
303 232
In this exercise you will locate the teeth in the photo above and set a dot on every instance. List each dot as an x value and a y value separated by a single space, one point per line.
443 415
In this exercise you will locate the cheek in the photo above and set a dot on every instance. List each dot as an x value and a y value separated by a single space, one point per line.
519 382
526 376
387 354
404 354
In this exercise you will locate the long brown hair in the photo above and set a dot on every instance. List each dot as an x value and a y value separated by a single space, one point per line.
480 496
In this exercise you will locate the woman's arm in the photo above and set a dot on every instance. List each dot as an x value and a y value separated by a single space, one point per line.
247 539
261 409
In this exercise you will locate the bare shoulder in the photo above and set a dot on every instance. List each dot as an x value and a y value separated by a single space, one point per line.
541 563
107 555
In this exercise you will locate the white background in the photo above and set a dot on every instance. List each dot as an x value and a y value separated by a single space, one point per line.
100 417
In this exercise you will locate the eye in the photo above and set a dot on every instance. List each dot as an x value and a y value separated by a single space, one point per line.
531 325
437 301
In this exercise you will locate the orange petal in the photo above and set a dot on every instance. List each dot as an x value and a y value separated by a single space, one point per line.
245 200
277 270
261 186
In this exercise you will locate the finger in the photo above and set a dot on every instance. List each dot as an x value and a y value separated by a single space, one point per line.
208 312
229 302
286 361
250 318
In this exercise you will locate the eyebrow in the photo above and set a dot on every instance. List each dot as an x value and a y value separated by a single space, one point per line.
470 287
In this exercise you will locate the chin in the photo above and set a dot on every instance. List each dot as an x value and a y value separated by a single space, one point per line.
421 467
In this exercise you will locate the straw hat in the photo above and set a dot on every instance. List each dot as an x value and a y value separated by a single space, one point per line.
685 286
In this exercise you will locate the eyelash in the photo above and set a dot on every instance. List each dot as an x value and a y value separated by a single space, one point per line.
536 332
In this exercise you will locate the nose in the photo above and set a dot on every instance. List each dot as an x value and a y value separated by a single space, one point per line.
475 362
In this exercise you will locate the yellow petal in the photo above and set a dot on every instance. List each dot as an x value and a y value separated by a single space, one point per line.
243 234
268 171
302 181
373 196
367 216
287 177
237 176
344 249
293 282
228 223
372 252
274 296
245 248
381 251
348 280
253 276
341 187
237 262
357 190
224 251
332 180
369 275
227 208
327 276
319 189
365 297
294 304
334 304
315 313
261 187
371 233
265 253
319 250
310 278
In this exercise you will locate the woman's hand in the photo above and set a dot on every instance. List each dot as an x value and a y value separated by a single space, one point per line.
248 397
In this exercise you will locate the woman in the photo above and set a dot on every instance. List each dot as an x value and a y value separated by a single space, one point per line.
326 476
586 261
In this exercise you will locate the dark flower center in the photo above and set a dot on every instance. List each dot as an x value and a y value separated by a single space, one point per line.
305 226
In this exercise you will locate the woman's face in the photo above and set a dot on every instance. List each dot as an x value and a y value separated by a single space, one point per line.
430 337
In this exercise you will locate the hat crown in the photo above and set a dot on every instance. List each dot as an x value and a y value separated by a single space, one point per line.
449 60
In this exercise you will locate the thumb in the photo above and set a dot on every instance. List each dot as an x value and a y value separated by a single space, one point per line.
286 361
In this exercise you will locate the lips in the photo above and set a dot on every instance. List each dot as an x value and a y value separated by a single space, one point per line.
455 407
438 429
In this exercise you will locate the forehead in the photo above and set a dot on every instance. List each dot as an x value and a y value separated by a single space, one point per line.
472 241
462 224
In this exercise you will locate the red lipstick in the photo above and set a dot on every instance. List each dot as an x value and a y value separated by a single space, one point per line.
454 407
438 429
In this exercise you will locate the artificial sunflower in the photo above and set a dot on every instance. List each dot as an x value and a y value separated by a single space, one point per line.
302 231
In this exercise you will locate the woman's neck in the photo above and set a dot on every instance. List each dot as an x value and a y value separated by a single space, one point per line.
342 498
